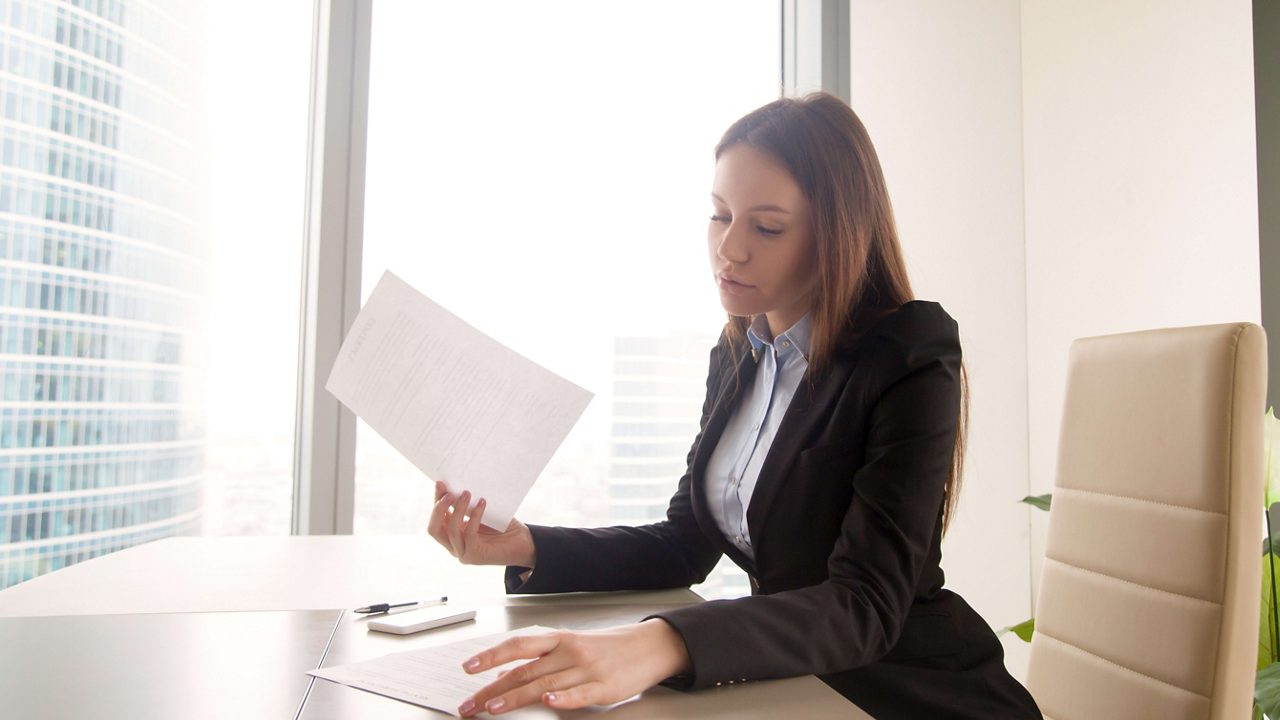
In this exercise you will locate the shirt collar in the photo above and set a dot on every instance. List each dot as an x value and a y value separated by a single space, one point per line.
798 334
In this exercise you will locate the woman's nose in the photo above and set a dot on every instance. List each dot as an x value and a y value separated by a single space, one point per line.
731 247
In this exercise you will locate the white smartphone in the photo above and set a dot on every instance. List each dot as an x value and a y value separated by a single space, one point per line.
407 623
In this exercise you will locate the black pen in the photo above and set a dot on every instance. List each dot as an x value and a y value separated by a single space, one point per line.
384 607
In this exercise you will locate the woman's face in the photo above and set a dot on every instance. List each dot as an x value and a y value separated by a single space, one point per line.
760 237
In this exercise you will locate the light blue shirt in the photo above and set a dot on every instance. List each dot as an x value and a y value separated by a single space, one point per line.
735 464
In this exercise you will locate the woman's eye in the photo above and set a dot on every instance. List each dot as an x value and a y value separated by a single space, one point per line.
767 231
719 218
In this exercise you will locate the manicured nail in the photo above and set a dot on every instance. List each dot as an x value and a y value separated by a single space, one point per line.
495 704
467 706
472 664
551 697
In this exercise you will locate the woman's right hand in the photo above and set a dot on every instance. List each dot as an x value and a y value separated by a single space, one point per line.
472 543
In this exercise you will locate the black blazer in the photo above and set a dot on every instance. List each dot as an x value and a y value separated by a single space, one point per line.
845 522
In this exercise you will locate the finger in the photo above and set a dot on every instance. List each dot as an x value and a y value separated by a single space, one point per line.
473 525
525 683
435 525
441 489
520 647
530 693
454 526
577 696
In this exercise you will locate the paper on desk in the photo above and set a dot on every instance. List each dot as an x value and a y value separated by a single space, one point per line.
458 404
428 677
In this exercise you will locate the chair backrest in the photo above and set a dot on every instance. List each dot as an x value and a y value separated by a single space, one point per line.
1149 595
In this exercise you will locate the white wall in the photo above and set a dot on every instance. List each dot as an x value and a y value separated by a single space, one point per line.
939 88
1058 170
1141 182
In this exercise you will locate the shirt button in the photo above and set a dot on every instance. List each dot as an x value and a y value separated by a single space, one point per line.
755 427
786 343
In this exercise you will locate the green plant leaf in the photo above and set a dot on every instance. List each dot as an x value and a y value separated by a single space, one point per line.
1268 653
1266 690
1268 543
1038 501
1023 629
1271 446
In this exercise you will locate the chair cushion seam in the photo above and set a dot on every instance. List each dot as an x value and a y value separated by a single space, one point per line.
1130 498
1117 665
1131 582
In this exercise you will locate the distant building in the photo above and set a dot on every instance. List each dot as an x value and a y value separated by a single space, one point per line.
659 384
101 278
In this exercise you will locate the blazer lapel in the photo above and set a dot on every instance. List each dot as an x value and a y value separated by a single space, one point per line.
808 406
726 399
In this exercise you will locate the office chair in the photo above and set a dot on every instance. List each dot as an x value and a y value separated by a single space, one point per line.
1149 595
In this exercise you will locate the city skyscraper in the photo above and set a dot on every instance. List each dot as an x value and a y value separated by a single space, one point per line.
102 247
659 384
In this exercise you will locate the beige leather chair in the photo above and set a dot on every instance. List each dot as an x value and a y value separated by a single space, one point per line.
1149 594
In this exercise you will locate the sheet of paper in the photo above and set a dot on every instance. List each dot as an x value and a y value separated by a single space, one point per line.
428 677
458 404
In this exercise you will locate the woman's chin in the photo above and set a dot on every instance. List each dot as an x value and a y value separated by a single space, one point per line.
736 305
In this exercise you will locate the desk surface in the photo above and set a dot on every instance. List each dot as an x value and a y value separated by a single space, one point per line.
220 574
230 625
179 665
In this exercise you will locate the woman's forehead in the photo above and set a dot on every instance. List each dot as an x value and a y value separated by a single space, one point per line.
749 177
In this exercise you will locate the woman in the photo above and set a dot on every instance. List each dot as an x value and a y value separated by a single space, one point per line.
827 466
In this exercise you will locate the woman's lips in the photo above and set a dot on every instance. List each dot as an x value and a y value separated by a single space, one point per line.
733 287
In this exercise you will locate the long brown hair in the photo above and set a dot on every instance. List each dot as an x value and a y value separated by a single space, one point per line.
861 273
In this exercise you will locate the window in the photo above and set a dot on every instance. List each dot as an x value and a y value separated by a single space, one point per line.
547 179
148 286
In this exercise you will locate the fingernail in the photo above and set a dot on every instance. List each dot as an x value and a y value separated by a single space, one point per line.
551 697
467 706
472 664
495 705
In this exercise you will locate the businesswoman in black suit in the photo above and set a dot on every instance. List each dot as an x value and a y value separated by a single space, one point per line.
827 465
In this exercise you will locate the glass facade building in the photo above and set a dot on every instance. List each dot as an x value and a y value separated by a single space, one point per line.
102 257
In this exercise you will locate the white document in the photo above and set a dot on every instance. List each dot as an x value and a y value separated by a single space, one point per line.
428 677
458 404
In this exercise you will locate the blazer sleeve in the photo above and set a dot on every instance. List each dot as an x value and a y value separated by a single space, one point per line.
856 615
667 554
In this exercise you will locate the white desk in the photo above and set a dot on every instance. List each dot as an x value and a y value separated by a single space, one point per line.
227 626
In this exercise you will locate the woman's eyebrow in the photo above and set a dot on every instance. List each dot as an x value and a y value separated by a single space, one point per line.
766 208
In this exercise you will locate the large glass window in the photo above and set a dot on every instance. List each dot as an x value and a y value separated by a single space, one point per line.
152 171
259 70
543 170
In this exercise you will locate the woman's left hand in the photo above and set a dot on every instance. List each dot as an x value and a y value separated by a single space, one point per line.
576 669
